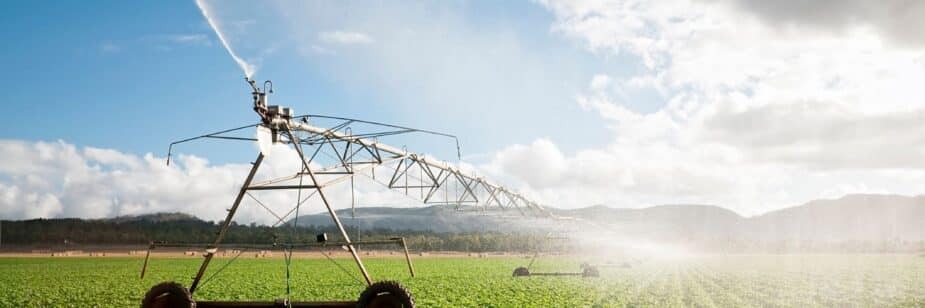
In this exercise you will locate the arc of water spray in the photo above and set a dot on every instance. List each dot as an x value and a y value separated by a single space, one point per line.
248 69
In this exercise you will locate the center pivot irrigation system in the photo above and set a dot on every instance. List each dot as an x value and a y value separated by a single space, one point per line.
329 156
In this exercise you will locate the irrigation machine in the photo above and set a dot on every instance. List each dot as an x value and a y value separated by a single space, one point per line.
330 155
587 269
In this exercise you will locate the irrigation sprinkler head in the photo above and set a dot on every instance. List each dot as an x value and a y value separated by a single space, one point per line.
273 117
260 99
268 113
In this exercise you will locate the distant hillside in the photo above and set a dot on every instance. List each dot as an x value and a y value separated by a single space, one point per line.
851 218
154 218
861 223
665 222
854 222
658 223
173 227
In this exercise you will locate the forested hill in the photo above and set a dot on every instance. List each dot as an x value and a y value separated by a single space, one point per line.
857 223
182 228
175 227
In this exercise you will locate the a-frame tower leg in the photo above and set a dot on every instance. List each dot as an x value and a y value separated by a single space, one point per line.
324 199
210 252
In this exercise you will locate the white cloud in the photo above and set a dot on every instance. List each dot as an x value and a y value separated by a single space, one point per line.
345 38
19 204
543 170
896 20
600 82
758 116
57 179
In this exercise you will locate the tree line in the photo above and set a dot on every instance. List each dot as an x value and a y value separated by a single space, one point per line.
62 233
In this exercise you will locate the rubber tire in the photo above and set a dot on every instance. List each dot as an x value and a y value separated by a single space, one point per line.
521 271
590 271
168 294
385 294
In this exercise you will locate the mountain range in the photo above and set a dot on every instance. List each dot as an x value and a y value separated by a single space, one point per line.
853 223
859 220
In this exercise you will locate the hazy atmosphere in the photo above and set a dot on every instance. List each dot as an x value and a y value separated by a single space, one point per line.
545 153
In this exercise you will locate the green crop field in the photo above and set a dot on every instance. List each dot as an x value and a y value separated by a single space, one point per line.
728 281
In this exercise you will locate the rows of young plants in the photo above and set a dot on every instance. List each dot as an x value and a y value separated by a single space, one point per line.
717 281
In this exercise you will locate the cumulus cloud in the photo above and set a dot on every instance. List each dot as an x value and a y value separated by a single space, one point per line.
896 20
58 179
822 135
543 170
757 114
600 82
20 204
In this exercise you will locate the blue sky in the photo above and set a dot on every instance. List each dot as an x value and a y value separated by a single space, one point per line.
107 74
135 76
628 103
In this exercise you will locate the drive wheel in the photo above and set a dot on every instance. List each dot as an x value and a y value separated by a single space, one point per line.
385 294
168 294
590 271
521 271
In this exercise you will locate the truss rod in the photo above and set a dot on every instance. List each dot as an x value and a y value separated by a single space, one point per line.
470 184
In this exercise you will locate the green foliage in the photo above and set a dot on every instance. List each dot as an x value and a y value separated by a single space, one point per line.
179 228
719 281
